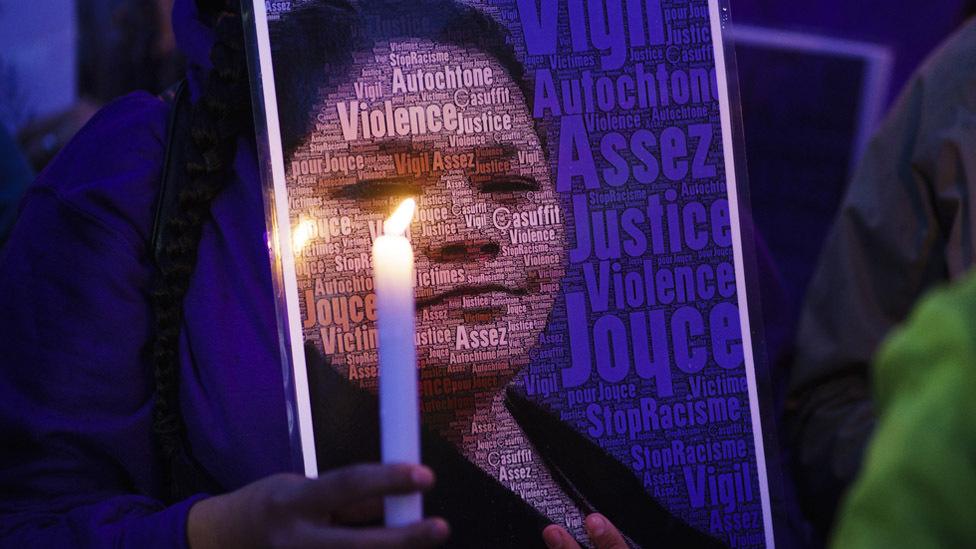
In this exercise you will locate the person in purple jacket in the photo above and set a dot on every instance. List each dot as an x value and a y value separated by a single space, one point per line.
96 423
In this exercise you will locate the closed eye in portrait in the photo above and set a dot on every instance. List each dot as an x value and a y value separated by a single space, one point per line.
500 184
379 189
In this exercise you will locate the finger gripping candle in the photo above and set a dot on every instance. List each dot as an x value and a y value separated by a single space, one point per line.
399 406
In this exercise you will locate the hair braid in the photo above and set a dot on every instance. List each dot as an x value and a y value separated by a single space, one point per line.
218 118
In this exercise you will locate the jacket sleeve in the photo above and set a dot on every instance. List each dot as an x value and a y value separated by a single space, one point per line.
904 226
917 485
78 467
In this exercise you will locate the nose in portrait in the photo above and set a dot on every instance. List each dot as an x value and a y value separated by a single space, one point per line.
453 240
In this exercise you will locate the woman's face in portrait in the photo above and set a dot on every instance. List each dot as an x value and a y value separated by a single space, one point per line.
448 126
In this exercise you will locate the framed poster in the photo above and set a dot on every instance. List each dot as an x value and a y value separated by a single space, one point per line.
582 327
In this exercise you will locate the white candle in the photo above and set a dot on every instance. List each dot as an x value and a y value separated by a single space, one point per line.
399 406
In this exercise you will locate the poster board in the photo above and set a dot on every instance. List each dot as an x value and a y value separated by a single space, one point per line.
583 332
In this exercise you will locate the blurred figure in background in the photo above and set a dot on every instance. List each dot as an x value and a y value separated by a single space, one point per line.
906 225
122 46
60 61
810 106
801 112
125 45
38 74
919 476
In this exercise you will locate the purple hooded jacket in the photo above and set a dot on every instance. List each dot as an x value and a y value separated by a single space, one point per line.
78 466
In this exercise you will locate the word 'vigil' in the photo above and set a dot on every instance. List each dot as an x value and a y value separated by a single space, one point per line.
610 26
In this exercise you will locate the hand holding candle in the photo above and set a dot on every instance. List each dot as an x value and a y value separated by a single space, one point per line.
399 407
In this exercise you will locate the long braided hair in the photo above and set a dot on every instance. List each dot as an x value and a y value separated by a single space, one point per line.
219 117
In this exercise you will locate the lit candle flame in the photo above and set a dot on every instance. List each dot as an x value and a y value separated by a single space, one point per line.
398 222
301 235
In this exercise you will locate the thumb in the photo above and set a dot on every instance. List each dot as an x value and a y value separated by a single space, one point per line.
603 534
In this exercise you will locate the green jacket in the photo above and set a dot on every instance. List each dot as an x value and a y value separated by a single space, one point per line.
918 485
